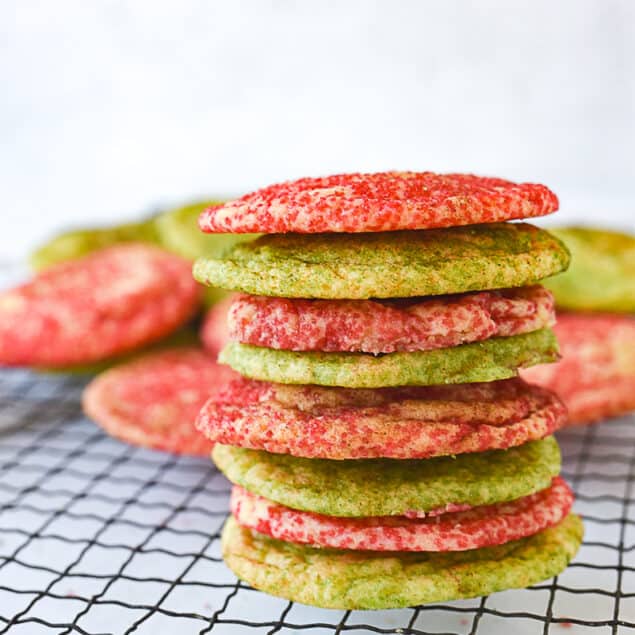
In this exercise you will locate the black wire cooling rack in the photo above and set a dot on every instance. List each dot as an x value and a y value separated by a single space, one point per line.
100 537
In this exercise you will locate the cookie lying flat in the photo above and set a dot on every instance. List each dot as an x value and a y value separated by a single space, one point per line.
81 242
344 579
370 326
596 376
489 360
602 274
388 265
384 201
398 423
474 528
386 487
154 400
99 306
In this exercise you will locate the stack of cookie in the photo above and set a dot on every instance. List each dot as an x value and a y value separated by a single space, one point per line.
383 450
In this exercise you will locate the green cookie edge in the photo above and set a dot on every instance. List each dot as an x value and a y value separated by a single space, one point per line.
387 264
179 232
488 360
364 580
74 244
389 487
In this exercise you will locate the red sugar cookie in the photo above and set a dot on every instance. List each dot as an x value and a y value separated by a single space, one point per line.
446 531
215 330
596 375
402 423
389 326
154 400
385 201
104 304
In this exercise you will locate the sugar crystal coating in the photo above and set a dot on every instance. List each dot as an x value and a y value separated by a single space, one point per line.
104 304
153 400
371 326
384 201
446 530
400 423
596 375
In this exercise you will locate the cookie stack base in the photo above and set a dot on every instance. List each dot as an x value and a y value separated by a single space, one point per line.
351 580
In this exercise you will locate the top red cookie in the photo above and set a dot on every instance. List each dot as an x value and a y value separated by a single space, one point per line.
384 201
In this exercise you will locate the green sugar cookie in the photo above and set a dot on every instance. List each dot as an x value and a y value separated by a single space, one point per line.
339 579
488 360
388 264
602 272
178 231
350 580
391 487
81 242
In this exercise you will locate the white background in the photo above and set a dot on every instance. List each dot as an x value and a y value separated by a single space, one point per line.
112 108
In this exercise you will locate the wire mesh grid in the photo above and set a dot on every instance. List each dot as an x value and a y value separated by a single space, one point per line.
99 537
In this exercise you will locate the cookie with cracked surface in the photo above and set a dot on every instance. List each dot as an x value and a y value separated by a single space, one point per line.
387 264
383 201
399 423
153 400
389 326
105 304
445 530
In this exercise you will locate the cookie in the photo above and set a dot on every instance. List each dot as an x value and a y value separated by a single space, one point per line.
153 400
215 330
384 201
178 231
78 243
495 358
387 487
399 423
105 304
596 376
344 579
371 326
602 273
473 528
387 265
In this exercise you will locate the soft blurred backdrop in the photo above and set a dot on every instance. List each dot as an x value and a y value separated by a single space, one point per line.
112 109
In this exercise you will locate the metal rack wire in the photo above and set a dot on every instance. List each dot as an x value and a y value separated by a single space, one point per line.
99 537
